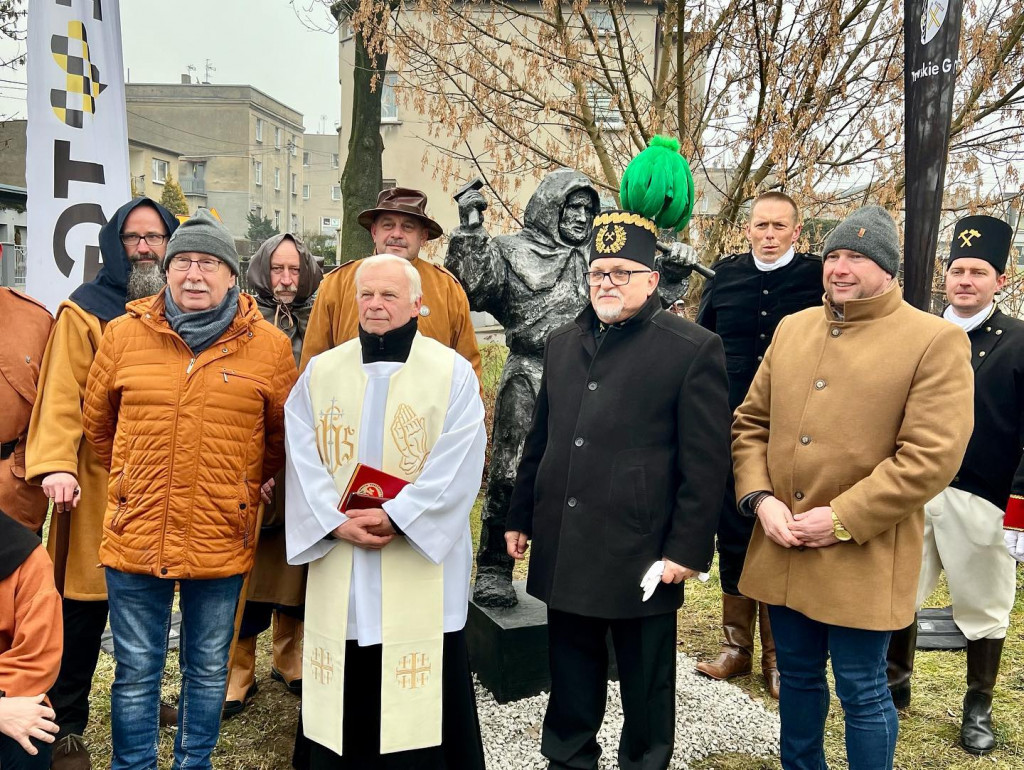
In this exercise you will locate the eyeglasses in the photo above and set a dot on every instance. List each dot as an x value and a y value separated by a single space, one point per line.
617 277
152 239
207 265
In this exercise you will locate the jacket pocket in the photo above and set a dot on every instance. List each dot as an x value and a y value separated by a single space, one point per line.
119 521
245 515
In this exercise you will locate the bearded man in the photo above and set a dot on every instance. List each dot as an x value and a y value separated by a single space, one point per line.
133 244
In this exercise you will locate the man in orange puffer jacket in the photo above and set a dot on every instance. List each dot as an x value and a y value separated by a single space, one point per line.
185 407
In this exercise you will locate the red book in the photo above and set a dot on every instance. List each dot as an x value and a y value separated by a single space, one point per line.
370 488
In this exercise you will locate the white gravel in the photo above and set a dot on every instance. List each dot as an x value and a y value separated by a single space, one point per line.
711 718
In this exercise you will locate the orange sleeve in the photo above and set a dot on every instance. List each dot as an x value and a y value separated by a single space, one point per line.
463 333
29 667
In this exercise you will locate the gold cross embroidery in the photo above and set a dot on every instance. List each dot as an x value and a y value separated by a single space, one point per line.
413 671
322 667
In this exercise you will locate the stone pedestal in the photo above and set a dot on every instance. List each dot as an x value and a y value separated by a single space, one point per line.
508 648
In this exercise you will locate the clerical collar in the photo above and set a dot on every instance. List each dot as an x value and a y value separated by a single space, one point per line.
970 323
393 345
767 267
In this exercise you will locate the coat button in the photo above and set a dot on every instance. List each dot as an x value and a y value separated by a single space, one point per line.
223 350
124 499
799 495
760 358
572 502
956 478
591 386
805 440
761 335
988 328
998 332
163 570
819 384
578 442
242 506
764 291
764 312
981 353
836 331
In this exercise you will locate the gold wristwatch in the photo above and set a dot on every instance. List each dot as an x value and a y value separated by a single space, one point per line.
841 533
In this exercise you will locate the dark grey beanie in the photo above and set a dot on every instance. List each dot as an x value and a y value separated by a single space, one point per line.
203 234
871 231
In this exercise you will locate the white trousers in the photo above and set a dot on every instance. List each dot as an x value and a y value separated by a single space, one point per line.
963 535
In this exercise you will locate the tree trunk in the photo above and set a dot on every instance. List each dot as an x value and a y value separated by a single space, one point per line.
362 178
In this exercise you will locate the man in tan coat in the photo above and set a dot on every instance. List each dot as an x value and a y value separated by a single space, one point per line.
26 325
132 243
399 225
856 396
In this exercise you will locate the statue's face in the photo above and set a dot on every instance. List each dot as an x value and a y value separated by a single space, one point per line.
577 218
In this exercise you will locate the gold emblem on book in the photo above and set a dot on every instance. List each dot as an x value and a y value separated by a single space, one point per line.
323 669
409 432
333 438
610 239
413 671
369 489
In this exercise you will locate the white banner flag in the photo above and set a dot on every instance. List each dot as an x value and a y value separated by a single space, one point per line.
77 156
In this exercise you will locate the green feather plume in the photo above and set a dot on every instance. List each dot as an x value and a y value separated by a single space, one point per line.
657 184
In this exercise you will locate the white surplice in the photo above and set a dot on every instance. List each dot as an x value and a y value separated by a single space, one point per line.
433 512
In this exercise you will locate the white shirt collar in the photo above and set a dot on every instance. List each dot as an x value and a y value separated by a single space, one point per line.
767 267
972 322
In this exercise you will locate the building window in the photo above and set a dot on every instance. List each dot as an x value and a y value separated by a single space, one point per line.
277 220
257 169
259 130
295 184
277 179
160 169
334 160
336 192
294 147
388 102
295 223
259 211
345 29
305 158
602 21
277 137
305 192
605 115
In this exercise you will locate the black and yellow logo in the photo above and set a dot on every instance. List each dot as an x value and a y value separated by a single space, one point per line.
967 238
83 77
610 239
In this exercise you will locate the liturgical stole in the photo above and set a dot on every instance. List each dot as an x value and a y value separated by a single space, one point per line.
412 587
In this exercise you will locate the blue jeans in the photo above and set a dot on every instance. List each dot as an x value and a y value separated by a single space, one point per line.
803 647
140 617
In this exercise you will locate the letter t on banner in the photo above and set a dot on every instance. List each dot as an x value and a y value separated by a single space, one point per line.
931 32
77 156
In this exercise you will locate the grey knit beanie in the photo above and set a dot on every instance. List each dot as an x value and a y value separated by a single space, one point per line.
871 231
203 234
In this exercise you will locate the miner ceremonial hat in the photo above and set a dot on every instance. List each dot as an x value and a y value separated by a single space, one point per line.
984 238
626 235
402 200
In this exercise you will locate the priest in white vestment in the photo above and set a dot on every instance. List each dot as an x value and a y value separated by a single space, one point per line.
386 681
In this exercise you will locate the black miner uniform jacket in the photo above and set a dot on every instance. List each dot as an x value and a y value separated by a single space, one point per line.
744 305
993 457
625 462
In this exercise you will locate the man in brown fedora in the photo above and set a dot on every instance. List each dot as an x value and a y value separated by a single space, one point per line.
399 225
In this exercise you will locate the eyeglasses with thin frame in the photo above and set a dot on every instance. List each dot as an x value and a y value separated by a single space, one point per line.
206 264
152 239
617 277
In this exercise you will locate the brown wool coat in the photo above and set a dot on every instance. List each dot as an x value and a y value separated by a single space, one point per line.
188 440
56 444
863 416
335 316
26 327
31 628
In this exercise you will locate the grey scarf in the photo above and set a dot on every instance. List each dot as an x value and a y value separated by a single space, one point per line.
201 329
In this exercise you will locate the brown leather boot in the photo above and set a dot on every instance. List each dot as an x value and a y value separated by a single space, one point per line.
899 666
241 677
287 668
735 658
769 667
70 753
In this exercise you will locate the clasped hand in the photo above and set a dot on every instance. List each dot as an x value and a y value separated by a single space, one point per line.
368 528
811 529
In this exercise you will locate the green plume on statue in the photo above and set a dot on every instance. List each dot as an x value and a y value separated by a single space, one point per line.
657 184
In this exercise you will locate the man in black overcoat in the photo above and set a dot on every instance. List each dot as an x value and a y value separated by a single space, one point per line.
743 303
974 529
620 483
